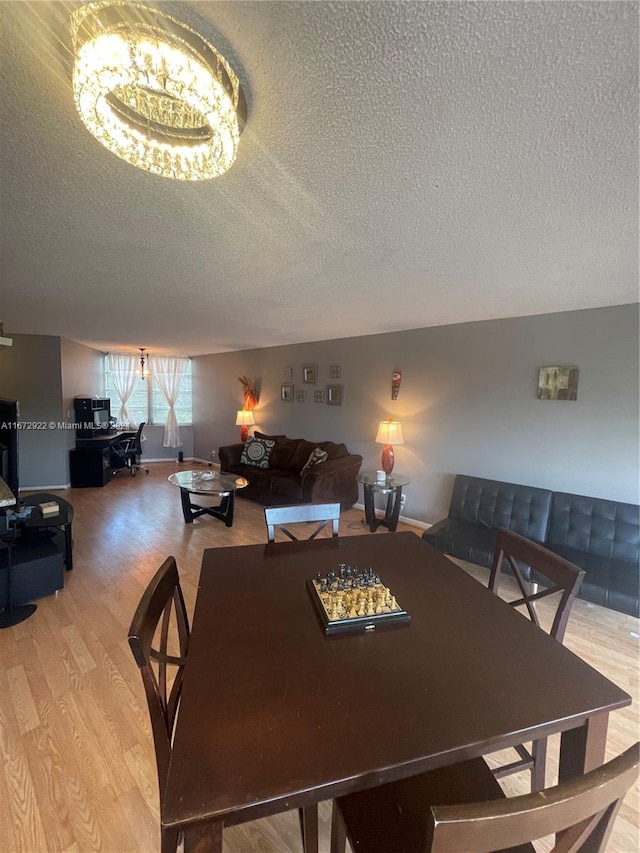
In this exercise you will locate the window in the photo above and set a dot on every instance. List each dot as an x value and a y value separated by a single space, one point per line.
147 403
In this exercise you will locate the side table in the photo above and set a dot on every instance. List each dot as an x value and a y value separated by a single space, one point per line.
392 488
63 520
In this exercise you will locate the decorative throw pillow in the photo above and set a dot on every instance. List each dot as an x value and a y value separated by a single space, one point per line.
316 456
256 451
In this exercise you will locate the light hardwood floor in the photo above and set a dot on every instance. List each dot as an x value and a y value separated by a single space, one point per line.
77 770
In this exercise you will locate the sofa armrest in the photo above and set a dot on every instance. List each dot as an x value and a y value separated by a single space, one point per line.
229 456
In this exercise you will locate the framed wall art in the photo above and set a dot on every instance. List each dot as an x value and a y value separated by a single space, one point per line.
310 374
335 371
301 396
334 395
286 393
318 396
558 383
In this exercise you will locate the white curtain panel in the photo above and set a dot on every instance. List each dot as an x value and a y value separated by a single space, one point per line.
168 374
123 371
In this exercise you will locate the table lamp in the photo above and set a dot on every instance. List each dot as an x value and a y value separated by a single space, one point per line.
389 433
244 419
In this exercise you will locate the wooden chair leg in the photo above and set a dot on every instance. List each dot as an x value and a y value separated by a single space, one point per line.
338 833
168 840
539 753
309 828
204 838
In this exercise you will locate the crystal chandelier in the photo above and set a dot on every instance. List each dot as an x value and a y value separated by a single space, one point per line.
154 92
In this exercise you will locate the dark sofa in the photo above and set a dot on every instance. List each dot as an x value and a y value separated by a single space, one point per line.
600 536
283 481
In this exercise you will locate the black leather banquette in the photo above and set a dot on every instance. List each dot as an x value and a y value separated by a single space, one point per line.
600 536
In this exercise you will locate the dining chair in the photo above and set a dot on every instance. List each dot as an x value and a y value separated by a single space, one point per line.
162 604
463 808
277 517
159 639
550 575
127 453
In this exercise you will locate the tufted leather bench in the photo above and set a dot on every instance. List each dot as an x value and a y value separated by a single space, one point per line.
600 536
603 538
479 507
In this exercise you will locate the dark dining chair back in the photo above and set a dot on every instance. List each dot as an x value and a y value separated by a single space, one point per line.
277 517
159 639
434 812
558 575
551 575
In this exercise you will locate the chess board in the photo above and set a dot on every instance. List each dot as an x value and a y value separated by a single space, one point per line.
356 603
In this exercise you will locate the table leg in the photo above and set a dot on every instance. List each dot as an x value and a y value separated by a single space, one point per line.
203 838
68 547
186 506
392 514
369 507
583 749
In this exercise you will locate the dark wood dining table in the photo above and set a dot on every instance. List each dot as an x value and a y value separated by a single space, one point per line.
276 715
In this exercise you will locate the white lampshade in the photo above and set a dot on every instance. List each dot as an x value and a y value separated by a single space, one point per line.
389 432
245 418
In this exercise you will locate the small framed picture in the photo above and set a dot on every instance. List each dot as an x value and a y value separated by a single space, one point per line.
301 396
558 383
334 395
334 371
318 396
288 374
310 374
286 393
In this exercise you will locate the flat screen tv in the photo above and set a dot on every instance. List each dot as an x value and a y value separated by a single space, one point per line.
9 433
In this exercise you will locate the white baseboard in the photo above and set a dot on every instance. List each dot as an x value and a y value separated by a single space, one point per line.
413 522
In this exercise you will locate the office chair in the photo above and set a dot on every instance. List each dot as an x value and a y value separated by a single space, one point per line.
463 808
128 452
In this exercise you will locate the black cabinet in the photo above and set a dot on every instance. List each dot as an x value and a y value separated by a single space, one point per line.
92 416
90 466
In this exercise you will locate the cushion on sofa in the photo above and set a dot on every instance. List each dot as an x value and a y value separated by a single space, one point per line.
258 434
315 458
610 583
301 454
283 453
257 451
333 450
492 503
285 487
463 539
595 526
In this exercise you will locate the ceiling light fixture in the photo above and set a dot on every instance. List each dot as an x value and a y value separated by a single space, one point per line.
154 92
142 362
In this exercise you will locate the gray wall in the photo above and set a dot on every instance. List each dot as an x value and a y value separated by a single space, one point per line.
82 376
467 402
30 373
45 373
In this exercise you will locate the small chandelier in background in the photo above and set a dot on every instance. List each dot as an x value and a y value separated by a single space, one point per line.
154 92
143 375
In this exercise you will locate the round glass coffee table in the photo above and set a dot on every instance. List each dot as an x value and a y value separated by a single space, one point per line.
392 488
210 483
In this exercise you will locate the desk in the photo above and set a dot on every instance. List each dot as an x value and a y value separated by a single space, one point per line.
91 462
275 715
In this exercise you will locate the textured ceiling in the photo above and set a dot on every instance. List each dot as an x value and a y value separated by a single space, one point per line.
403 165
